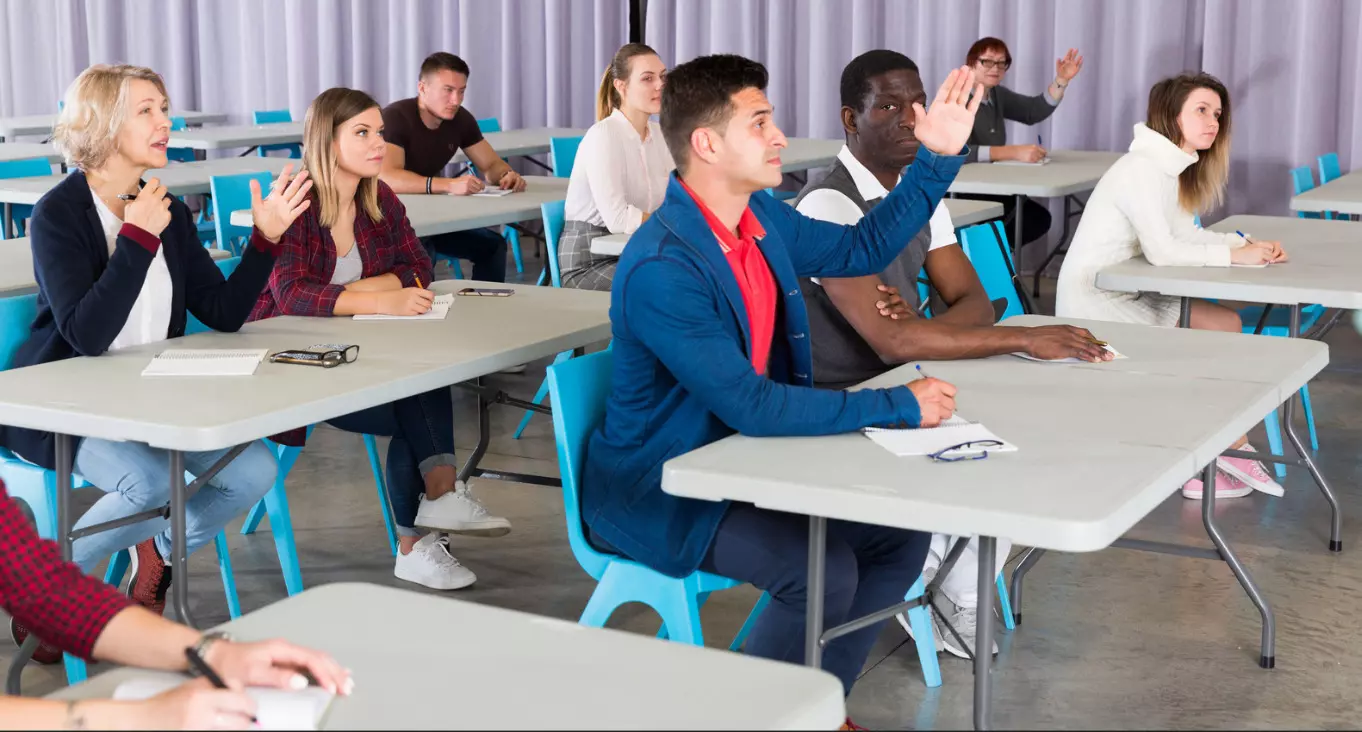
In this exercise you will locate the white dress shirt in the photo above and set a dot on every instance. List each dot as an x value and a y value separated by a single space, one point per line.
618 176
149 319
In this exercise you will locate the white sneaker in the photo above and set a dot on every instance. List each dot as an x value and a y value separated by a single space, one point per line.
430 564
965 621
459 512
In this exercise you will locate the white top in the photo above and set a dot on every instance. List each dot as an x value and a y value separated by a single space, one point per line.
578 678
149 319
1343 195
826 204
1076 485
618 175
1134 211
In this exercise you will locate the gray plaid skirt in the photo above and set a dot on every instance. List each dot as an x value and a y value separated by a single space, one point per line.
577 266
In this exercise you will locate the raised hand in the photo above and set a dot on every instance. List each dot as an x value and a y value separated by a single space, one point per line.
946 127
288 198
1068 67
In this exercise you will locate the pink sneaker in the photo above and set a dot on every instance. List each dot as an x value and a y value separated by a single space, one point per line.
1226 486
1250 472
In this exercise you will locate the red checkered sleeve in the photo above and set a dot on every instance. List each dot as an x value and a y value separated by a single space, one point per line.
295 283
53 598
410 259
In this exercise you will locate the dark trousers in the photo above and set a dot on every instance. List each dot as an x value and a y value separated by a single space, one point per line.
483 247
422 432
869 568
1035 217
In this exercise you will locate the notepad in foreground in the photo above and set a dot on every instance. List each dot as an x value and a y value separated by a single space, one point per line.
1115 356
493 193
206 362
276 709
929 440
439 308
1042 161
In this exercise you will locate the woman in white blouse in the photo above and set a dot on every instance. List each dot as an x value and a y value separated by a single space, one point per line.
620 175
1145 205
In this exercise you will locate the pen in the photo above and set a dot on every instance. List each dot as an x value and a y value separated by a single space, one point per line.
921 372
1038 142
1243 235
126 197
197 663
418 283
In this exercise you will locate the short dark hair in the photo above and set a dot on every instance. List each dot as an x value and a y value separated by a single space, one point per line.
988 43
857 74
699 93
442 61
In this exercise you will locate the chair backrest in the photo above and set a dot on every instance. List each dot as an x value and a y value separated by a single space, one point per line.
1329 168
16 322
233 193
274 116
986 247
578 388
554 214
1302 180
489 124
26 168
564 152
180 154
227 266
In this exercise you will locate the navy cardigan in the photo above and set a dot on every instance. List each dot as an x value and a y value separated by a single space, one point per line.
85 293
682 375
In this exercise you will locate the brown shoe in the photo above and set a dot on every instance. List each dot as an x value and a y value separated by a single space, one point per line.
150 577
46 655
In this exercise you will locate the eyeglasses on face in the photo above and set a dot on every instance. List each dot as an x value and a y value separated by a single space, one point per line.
994 63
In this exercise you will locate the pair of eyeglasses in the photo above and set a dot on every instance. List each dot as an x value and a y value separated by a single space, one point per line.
990 64
965 451
342 355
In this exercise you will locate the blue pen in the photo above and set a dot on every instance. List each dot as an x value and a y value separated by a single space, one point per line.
921 372
1038 142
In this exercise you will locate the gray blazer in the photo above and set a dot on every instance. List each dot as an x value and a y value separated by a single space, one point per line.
1005 104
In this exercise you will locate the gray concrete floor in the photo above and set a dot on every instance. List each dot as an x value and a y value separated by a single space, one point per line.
1111 639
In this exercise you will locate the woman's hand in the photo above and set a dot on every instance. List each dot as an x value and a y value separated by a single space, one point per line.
1255 252
1067 68
150 211
191 705
406 301
276 663
288 198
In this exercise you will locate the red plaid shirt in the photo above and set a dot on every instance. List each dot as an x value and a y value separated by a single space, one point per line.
52 598
301 281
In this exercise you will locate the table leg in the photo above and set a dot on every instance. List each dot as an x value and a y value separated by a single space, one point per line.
986 628
470 467
179 585
1017 238
813 621
1289 427
1030 559
1185 316
1267 657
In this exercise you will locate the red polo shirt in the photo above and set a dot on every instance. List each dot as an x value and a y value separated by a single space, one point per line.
753 274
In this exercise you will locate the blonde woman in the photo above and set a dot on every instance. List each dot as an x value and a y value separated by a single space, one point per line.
1177 167
354 252
620 176
119 264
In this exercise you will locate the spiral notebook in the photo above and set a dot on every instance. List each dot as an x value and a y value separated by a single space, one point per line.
928 440
206 362
439 308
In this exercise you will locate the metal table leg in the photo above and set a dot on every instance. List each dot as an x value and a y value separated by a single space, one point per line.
1185 316
1017 239
1267 657
1289 427
985 630
1030 559
813 622
179 559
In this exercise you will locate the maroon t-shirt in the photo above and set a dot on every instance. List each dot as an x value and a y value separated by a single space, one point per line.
428 151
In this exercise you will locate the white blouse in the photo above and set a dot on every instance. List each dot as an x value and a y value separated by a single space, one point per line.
149 319
618 176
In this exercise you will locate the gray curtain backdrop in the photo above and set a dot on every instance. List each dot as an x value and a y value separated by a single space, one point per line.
533 62
1293 69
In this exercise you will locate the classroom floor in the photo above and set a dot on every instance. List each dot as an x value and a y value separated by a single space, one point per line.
1114 639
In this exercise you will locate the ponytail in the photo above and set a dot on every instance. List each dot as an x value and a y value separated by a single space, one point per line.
608 98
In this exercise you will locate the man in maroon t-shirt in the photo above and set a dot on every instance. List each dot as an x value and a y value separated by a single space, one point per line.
423 133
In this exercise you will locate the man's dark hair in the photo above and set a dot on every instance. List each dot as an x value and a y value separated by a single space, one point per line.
441 61
699 93
857 74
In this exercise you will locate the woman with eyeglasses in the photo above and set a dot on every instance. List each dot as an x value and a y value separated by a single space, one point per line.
353 252
990 60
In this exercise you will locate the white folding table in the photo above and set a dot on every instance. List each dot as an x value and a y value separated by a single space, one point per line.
578 678
1078 485
11 151
234 136
524 143
16 267
41 124
1341 195
180 179
804 153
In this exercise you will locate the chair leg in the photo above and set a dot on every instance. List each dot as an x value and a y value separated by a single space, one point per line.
281 525
1274 440
539 396
254 518
543 276
607 596
1005 604
375 465
700 601
118 567
746 629
680 611
1309 416
456 268
75 669
920 619
228 578
513 241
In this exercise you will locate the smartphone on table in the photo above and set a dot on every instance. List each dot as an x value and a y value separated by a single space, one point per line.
486 292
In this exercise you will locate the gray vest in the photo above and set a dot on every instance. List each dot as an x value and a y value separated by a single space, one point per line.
840 356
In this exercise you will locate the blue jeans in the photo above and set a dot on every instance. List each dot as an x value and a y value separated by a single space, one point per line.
422 432
136 477
483 247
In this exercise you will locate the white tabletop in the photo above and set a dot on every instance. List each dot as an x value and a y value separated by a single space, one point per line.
964 212
220 138
512 670
438 213
529 141
803 153
16 267
181 179
26 150
1325 267
41 124
1069 172
1117 440
1343 195
107 397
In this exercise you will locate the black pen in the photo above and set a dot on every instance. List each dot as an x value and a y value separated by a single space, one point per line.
126 197
201 666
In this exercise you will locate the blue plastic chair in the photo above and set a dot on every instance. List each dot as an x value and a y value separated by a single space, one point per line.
275 116
553 215
1329 168
986 247
578 389
1278 324
19 213
207 231
1303 180
233 193
509 233
564 153
194 325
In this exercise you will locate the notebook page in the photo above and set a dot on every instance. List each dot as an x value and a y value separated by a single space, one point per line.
1115 356
277 709
206 362
928 440
439 308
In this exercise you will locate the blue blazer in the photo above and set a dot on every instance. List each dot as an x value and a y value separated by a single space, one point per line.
85 293
683 375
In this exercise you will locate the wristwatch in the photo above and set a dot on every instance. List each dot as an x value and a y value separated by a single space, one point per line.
205 641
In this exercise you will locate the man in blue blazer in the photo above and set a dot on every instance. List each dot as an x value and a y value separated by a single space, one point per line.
711 338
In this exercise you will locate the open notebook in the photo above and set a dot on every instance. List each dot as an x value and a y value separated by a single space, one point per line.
492 192
929 440
1115 356
439 308
1042 161
205 362
275 708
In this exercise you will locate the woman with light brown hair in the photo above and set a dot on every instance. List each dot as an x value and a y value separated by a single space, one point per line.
1146 205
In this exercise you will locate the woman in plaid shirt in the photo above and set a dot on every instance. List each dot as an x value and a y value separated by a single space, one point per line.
353 252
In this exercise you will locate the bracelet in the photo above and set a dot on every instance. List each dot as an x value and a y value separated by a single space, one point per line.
429 180
204 643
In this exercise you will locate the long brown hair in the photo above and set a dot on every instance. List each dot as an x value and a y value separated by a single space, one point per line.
1201 186
608 98
331 109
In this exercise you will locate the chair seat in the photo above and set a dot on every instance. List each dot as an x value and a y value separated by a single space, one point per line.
1279 319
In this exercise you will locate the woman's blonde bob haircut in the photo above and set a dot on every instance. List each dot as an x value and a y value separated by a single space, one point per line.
93 112
331 109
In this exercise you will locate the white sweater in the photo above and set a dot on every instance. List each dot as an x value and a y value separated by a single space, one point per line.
1134 211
